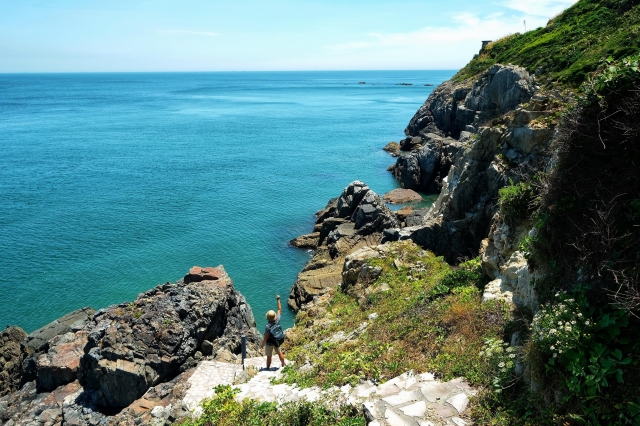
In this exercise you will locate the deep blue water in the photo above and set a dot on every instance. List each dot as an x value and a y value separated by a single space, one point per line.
113 183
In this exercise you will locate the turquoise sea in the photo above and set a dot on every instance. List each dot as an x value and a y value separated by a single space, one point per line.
113 183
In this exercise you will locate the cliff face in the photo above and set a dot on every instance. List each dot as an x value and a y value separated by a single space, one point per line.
101 362
468 140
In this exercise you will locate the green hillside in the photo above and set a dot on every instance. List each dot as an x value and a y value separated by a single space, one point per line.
571 45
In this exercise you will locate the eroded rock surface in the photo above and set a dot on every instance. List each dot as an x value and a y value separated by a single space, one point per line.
354 220
138 345
475 138
132 359
11 359
401 196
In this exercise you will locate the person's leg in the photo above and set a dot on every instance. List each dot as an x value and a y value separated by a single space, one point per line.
269 352
280 356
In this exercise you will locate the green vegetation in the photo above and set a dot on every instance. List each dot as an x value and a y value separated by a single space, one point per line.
517 201
581 349
429 318
224 410
571 46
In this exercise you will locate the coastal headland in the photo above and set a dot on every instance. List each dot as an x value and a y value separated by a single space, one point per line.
512 299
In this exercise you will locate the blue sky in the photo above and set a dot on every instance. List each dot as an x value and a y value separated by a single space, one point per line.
253 35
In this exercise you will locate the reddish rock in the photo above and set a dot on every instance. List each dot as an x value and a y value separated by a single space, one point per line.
197 274
405 212
60 365
401 195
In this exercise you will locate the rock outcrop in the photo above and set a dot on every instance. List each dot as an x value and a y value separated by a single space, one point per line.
355 219
11 359
135 346
401 196
38 342
454 107
128 358
474 138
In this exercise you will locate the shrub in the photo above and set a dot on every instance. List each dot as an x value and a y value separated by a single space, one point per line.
517 201
224 410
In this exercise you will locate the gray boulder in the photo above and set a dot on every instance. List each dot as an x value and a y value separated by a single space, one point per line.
373 215
350 198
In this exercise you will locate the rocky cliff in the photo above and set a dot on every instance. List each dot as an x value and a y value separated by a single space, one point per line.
100 367
355 219
467 141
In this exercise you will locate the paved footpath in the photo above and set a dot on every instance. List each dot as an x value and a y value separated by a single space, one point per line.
407 400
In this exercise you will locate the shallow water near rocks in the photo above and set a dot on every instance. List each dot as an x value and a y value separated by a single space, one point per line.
113 183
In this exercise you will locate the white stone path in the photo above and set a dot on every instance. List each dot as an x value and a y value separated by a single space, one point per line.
407 400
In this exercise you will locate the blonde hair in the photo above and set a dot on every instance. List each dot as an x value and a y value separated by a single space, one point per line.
271 315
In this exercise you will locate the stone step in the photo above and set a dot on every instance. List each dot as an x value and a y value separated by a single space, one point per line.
406 400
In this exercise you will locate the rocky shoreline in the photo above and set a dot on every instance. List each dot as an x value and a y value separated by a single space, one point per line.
113 366
467 141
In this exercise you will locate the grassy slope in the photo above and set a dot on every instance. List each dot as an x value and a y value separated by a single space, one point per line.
571 46
428 320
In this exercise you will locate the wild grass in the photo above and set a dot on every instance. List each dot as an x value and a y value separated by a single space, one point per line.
571 46
430 318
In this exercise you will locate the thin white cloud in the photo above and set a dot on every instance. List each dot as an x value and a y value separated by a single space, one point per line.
186 32
465 28
543 8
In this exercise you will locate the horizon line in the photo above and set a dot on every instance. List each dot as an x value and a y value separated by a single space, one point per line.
218 71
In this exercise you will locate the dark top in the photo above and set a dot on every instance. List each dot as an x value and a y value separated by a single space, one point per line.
267 328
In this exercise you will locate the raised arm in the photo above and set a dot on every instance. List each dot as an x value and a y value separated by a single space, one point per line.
279 305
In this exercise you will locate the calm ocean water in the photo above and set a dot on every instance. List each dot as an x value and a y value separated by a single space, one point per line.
113 183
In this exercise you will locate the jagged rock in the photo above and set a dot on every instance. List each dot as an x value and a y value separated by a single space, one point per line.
400 196
11 359
135 346
410 143
324 271
407 171
372 215
416 218
68 405
354 262
60 364
329 225
451 107
328 211
350 199
403 214
306 241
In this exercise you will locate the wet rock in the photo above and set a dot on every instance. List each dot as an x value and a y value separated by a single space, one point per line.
11 359
392 148
400 196
309 241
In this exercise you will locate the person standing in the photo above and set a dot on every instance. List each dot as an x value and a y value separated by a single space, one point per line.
272 344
